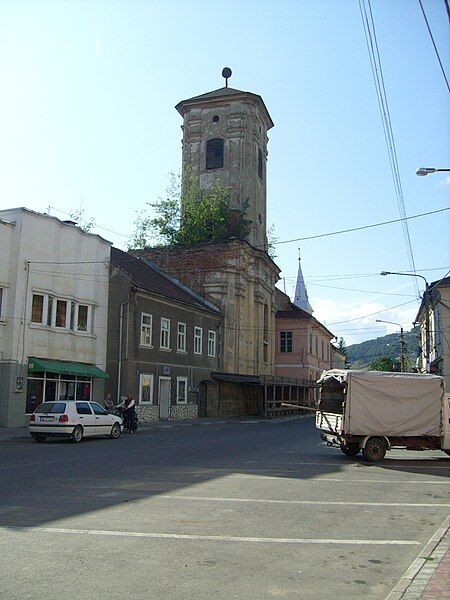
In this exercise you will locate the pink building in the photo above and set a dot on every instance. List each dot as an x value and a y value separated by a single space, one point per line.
303 345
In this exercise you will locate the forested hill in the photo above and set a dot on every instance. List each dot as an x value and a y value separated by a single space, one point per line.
361 355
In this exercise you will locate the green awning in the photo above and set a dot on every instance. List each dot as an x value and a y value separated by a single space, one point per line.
67 368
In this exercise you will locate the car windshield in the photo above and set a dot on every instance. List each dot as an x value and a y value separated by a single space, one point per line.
51 407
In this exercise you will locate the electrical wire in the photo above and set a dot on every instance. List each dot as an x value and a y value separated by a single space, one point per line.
377 73
402 219
434 45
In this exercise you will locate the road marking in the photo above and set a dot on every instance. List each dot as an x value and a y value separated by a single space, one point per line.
211 538
336 480
307 502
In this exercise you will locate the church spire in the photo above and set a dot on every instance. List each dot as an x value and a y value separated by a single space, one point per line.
301 295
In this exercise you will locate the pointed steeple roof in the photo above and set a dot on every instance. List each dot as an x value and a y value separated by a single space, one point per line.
301 295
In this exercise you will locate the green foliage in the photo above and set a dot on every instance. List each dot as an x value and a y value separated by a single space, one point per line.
82 220
362 355
382 363
272 239
189 215
343 348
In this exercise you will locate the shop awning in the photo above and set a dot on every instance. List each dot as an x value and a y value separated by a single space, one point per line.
67 368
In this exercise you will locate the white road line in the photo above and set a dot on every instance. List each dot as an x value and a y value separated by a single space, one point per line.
211 538
389 464
302 502
336 480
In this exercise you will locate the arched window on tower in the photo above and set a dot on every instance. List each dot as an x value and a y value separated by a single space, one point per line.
214 153
260 164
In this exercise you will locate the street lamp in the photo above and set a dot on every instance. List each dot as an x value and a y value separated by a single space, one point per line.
426 299
402 344
422 171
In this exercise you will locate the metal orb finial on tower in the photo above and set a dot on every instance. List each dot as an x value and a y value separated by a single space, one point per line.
226 74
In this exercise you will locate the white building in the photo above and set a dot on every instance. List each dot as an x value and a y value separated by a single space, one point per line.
53 313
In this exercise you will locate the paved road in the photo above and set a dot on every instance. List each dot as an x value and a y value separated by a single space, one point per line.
237 510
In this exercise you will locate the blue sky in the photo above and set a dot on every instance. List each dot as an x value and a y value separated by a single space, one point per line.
87 119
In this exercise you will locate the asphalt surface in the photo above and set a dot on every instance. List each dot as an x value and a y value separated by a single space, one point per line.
236 510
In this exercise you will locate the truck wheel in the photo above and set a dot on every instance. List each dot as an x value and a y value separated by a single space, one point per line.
350 449
375 449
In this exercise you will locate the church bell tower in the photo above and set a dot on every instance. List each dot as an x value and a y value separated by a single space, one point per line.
225 139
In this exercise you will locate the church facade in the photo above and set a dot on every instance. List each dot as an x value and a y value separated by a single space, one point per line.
225 140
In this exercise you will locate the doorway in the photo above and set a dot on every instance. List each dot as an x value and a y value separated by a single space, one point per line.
164 389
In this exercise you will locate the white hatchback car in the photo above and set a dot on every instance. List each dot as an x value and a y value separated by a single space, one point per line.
74 419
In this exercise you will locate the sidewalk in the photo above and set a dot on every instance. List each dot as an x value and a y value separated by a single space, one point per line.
429 576
11 433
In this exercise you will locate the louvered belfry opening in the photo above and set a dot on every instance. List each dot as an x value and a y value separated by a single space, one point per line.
214 153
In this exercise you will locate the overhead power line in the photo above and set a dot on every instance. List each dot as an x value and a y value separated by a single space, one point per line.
321 235
377 73
434 44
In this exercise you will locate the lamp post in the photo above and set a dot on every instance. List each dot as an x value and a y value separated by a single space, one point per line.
426 299
422 171
402 344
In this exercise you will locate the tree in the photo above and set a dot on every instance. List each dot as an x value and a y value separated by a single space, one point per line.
272 239
382 363
83 222
343 349
190 215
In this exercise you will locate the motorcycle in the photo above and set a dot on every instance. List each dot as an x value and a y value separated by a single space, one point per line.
129 424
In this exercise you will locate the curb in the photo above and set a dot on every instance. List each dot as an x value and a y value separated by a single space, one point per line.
407 579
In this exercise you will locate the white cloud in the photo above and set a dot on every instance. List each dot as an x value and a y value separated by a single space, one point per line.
355 320
445 181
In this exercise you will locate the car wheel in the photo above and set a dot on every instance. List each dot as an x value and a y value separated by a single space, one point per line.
77 434
350 449
40 437
115 431
375 449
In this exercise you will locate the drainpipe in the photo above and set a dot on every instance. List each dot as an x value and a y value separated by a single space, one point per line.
119 356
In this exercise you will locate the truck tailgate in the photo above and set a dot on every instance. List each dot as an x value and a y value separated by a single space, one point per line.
329 422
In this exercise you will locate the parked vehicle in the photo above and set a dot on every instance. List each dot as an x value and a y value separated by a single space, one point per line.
374 411
73 419
130 424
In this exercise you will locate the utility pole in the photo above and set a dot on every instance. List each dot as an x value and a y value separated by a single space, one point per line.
403 365
427 305
426 300
402 351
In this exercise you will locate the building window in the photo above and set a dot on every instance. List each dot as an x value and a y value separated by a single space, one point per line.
181 390
37 308
214 153
198 337
1 303
83 317
266 334
260 164
323 350
51 387
61 313
310 343
211 343
316 344
165 334
285 341
181 337
145 389
146 330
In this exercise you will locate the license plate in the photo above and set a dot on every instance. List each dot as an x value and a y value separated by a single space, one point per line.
47 418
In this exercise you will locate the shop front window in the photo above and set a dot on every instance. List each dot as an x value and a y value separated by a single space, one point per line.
51 387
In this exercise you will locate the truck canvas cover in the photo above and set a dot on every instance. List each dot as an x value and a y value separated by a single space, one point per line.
391 404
